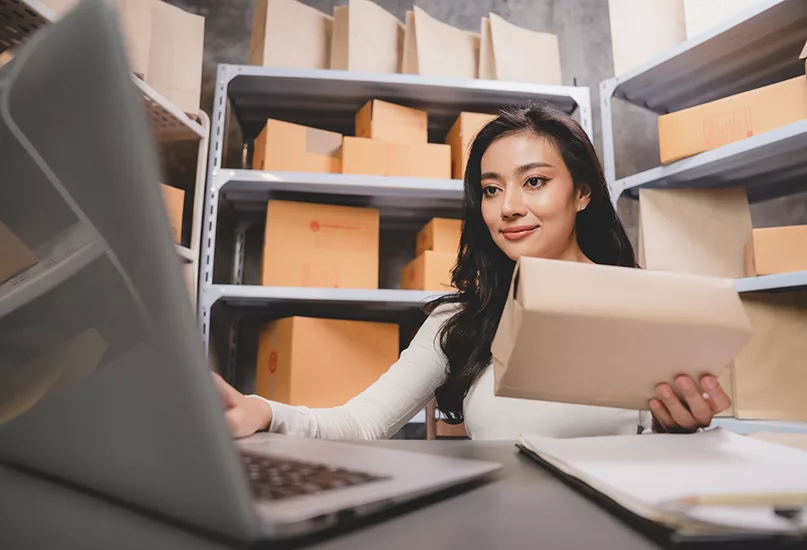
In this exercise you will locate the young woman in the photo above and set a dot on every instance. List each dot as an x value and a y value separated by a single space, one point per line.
533 187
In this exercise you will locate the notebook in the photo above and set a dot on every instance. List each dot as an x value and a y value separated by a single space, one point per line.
650 475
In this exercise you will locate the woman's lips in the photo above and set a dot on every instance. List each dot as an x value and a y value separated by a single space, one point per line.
519 232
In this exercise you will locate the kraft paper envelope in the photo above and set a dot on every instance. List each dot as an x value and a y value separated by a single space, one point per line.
434 48
366 38
697 231
287 33
604 335
522 55
770 381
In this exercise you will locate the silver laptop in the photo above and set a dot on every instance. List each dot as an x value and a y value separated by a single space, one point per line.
104 385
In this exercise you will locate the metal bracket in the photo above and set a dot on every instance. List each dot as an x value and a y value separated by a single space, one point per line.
582 96
241 229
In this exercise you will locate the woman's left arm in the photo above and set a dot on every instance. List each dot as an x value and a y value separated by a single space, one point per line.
694 409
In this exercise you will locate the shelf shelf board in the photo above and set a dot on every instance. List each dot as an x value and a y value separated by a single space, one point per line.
770 165
330 99
757 47
782 281
390 300
20 18
403 202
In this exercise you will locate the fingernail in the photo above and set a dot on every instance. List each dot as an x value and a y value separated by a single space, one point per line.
654 404
709 382
664 391
683 383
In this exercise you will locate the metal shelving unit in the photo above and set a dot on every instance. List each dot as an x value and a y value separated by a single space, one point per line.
245 96
20 18
758 47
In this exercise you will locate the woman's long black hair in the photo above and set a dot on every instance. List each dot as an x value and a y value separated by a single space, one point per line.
483 272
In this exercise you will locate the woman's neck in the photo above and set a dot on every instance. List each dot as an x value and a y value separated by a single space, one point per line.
573 253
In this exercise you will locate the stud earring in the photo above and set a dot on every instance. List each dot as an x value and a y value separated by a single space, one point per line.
583 207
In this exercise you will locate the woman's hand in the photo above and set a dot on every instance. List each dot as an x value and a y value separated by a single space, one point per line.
695 410
245 415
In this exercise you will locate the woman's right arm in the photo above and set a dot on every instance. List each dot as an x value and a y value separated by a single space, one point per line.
377 413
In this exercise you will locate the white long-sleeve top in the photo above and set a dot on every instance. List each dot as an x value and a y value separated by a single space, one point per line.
405 389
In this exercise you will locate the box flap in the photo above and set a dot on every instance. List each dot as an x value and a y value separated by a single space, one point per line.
503 341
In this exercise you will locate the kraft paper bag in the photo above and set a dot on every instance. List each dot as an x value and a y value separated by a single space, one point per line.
434 48
642 30
521 55
14 255
288 33
640 328
366 38
697 231
771 371
487 61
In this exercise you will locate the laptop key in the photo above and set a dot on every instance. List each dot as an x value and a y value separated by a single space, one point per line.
275 478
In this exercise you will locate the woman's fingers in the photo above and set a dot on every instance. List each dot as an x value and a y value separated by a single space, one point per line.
699 408
661 414
680 415
229 395
719 400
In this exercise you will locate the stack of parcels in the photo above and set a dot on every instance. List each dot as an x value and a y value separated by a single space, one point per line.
165 46
392 140
461 137
708 232
322 362
436 249
295 148
714 485
362 36
320 245
734 118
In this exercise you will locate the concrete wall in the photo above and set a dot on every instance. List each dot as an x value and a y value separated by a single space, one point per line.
583 29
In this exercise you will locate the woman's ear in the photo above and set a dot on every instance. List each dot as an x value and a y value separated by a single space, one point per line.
583 196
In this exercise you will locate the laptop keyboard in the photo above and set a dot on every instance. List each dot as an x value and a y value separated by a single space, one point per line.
275 478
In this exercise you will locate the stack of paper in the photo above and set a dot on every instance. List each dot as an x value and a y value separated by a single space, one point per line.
713 483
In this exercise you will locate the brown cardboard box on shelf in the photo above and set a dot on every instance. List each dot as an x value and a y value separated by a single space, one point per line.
374 157
15 256
322 362
776 250
440 235
645 326
366 38
175 56
769 374
429 271
295 148
393 123
711 125
434 48
320 245
460 138
288 33
174 200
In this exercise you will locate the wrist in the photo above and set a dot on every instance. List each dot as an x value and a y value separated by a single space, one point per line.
263 412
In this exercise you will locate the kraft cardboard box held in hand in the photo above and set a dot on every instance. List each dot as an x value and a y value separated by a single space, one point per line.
295 148
640 328
322 362
320 245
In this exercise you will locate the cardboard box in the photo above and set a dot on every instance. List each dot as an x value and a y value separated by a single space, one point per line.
374 157
366 38
440 235
175 56
776 250
288 33
16 257
712 125
434 48
769 373
322 362
320 245
460 138
697 231
642 328
174 200
291 147
429 271
519 55
393 123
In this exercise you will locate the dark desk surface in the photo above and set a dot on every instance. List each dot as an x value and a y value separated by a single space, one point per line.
523 507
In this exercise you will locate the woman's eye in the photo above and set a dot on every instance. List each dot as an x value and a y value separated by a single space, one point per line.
535 182
490 190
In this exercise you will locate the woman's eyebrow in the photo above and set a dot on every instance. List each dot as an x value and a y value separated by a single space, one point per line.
490 176
532 166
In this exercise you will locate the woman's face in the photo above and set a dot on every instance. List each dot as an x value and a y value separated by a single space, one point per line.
529 201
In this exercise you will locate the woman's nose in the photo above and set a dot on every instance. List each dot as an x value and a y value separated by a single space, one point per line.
513 204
